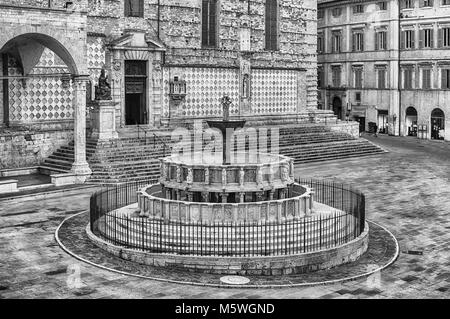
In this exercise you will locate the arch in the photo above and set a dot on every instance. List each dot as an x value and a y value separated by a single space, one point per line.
411 120
27 46
337 107
437 124
411 111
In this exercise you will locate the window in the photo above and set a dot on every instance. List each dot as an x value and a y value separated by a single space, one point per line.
426 38
320 43
382 5
445 2
445 79
336 12
407 4
357 77
426 3
209 23
381 40
336 76
359 8
134 8
426 78
358 40
358 97
271 24
408 39
408 78
336 42
444 37
381 77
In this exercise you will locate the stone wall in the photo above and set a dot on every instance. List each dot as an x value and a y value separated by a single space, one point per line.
351 127
30 148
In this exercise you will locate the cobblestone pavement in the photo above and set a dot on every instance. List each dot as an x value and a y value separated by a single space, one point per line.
408 191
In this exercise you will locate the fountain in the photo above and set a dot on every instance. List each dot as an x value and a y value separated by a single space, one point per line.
236 217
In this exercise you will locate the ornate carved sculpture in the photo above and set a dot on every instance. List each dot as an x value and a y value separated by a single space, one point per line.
190 176
206 176
259 176
284 173
178 174
241 177
224 176
103 89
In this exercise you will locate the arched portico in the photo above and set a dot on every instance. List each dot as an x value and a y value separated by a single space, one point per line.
27 48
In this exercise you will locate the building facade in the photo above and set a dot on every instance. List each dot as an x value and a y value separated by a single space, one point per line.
387 62
167 62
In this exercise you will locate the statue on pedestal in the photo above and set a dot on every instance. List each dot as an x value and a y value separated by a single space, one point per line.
103 89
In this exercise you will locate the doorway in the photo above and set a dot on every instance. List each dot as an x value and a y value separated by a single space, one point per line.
135 92
337 107
437 124
383 121
362 123
411 121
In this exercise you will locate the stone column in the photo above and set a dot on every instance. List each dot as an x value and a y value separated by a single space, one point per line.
80 166
242 197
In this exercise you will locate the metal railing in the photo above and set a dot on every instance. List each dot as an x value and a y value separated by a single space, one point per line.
238 239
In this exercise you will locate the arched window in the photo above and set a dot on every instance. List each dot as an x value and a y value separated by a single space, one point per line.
271 24
209 23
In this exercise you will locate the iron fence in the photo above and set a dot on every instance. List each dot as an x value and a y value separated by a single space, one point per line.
239 239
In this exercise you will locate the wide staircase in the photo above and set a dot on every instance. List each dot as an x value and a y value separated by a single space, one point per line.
136 159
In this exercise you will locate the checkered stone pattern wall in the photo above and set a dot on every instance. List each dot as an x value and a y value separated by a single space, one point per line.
95 56
205 87
274 91
43 98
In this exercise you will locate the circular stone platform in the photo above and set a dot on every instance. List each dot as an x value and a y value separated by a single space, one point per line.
382 251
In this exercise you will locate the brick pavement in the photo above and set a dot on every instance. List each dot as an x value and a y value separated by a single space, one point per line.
408 191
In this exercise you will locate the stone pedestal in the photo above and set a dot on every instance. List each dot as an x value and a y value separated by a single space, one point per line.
104 120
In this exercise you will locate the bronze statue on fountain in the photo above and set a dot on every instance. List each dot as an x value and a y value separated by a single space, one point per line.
225 125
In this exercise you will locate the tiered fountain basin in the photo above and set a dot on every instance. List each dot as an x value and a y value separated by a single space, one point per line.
153 205
247 179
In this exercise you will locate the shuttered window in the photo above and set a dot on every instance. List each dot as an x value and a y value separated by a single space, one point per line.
445 78
426 78
134 8
209 23
408 78
408 39
426 38
271 24
381 40
358 40
381 77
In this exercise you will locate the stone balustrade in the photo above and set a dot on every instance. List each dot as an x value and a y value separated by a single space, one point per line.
151 204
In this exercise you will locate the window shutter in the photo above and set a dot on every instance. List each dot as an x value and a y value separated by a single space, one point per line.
353 42
421 3
402 39
421 38
440 35
443 78
362 41
377 41
431 38
413 39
